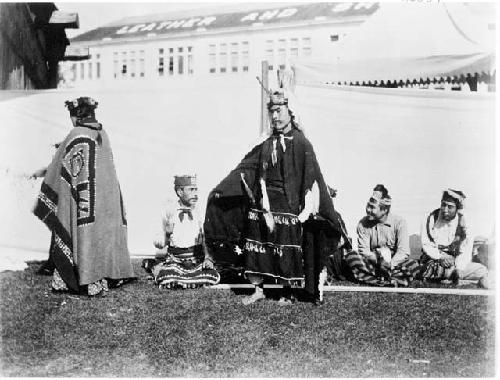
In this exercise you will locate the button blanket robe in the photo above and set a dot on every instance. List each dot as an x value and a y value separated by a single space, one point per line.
276 222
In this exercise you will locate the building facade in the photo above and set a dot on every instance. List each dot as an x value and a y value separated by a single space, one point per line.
230 46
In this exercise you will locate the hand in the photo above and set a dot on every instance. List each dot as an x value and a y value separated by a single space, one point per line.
208 264
38 174
385 266
385 253
447 261
372 258
159 242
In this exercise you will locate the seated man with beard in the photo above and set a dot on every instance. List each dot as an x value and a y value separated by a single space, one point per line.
188 263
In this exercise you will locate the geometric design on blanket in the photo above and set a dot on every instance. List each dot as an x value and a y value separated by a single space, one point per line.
171 273
78 170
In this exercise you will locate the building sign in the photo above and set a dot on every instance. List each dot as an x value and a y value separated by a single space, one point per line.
307 12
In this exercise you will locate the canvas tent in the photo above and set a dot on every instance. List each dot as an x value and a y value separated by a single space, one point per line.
406 41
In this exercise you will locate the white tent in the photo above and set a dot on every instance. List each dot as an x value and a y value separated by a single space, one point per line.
407 40
415 142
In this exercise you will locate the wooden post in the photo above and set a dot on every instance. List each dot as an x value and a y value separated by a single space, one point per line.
264 122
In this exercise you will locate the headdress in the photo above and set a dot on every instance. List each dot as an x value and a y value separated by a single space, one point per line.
274 97
379 198
81 107
185 180
456 196
277 98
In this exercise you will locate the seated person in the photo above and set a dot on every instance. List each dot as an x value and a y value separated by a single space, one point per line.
383 245
446 247
186 262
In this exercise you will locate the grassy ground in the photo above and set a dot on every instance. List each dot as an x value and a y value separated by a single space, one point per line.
141 331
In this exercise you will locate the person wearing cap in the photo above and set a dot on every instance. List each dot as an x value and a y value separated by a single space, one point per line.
383 252
267 202
186 262
446 246
81 203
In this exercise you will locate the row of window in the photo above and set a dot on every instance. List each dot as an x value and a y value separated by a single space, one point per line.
278 51
128 64
179 61
228 57
87 70
222 58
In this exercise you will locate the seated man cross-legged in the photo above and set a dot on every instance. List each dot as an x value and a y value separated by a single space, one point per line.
383 245
186 262
446 246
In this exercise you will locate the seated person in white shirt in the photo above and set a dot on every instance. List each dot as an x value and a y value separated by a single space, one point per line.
446 246
187 262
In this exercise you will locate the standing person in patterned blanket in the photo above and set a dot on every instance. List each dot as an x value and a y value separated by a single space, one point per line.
187 262
80 202
383 245
268 201
446 247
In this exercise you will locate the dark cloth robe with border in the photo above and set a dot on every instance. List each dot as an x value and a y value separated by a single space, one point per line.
227 213
81 203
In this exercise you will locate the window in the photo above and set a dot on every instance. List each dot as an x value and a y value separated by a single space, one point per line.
82 68
269 54
190 67
161 63
281 53
115 65
124 64
212 59
180 60
141 63
244 56
334 37
306 46
160 66
132 64
171 61
73 72
90 70
98 70
234 57
294 47
223 58
132 68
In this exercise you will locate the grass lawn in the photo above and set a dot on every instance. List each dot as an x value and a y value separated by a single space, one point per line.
139 330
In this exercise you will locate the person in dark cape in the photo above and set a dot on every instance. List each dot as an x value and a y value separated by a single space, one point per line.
273 206
81 203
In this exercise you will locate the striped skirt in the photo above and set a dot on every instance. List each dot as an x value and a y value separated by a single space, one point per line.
184 269
366 272
433 270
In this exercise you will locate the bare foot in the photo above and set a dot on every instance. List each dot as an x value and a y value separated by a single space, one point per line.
257 296
283 301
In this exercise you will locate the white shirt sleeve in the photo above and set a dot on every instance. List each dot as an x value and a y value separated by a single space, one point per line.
430 248
166 225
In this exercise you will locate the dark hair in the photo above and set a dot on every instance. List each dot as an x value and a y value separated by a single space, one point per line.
385 194
82 107
383 190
